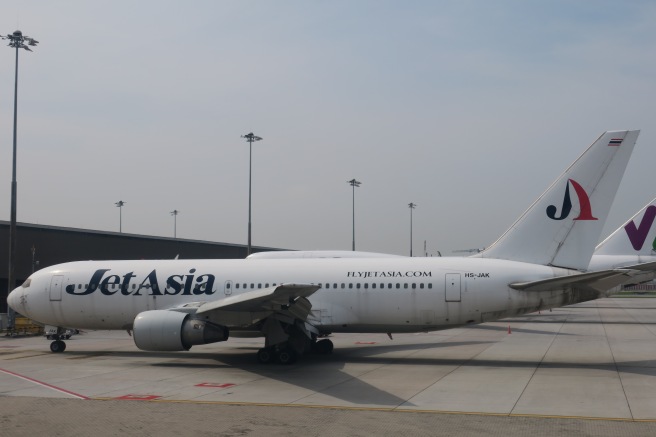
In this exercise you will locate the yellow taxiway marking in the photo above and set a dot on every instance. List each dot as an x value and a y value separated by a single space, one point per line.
389 409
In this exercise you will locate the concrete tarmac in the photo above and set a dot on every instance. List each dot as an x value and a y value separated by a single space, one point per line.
587 369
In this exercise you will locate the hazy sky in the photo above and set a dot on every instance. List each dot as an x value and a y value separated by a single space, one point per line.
469 109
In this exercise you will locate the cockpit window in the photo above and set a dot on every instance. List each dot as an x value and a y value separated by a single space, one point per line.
27 283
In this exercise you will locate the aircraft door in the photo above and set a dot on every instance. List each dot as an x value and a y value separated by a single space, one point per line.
227 289
452 287
56 287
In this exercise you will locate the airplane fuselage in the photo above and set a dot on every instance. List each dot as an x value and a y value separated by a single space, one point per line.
356 295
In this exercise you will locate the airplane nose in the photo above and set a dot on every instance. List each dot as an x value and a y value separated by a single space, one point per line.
13 300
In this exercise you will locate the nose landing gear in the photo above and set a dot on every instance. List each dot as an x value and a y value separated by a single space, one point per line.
57 346
58 335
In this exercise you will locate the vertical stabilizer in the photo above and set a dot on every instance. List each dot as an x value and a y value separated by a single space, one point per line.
564 224
637 236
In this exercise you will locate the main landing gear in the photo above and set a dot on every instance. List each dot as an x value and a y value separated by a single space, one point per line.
283 353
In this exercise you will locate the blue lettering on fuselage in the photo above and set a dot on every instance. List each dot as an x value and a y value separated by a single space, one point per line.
112 284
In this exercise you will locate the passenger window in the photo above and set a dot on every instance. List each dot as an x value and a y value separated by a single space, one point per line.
414 285
343 285
357 285
398 285
430 285
373 285
421 285
266 285
350 284
366 285
405 285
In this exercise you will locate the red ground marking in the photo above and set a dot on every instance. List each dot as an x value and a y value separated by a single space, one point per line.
44 384
365 342
138 397
215 384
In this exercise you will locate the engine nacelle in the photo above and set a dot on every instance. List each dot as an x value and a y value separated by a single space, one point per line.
160 330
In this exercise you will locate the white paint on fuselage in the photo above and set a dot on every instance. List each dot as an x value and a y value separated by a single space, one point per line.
418 304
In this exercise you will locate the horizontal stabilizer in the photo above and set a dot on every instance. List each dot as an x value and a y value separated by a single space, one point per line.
601 280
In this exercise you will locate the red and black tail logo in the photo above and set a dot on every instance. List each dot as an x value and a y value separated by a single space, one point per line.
584 203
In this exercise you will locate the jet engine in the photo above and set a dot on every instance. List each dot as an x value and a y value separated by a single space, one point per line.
160 330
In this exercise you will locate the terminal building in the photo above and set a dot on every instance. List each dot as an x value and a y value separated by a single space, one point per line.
39 246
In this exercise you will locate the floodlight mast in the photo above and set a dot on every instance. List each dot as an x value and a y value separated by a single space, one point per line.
16 40
175 213
411 206
119 205
354 183
250 138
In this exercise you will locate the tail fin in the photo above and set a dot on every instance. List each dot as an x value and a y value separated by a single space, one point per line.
562 229
637 236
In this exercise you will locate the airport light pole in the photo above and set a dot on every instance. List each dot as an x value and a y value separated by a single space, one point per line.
119 205
354 183
175 213
411 206
250 139
16 40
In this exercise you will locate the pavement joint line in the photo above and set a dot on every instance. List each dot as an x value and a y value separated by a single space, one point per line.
456 367
24 356
539 363
44 384
83 357
387 409
612 354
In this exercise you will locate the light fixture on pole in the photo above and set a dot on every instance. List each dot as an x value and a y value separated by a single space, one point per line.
354 184
16 40
411 206
175 213
119 205
250 138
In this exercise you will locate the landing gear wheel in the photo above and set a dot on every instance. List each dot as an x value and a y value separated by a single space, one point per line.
265 355
57 346
286 356
323 347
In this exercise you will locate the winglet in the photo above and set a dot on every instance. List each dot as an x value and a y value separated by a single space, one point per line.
563 225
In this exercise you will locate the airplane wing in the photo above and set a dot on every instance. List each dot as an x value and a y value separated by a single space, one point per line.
278 298
600 281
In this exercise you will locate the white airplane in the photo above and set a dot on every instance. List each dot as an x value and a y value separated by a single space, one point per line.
171 305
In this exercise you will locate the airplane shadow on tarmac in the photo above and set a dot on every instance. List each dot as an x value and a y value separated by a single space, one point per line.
351 373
